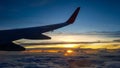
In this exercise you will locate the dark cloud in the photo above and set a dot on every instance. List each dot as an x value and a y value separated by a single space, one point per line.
104 33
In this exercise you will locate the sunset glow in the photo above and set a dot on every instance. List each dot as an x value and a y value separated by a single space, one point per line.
70 49
78 38
102 45
84 46
54 46
74 38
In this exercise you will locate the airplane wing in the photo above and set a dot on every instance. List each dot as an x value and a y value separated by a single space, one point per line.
42 29
7 36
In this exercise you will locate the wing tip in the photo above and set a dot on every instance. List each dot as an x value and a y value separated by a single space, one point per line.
73 16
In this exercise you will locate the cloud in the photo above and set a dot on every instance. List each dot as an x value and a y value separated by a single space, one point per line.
116 40
31 61
104 33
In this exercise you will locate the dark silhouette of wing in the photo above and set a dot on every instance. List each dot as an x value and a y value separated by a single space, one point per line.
7 36
11 47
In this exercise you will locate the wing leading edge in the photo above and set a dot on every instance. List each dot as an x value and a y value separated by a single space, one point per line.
7 36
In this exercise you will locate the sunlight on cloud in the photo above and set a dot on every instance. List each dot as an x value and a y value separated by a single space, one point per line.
84 46
70 46
102 45
69 38
80 38
73 38
54 46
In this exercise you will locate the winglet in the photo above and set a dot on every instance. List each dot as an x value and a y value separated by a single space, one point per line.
73 17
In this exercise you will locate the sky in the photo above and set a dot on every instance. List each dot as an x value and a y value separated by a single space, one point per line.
95 15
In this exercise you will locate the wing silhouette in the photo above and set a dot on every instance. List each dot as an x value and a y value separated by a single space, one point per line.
7 36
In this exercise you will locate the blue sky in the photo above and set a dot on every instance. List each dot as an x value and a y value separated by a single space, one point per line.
95 15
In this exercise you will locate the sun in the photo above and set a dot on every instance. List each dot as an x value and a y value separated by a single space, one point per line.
69 51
